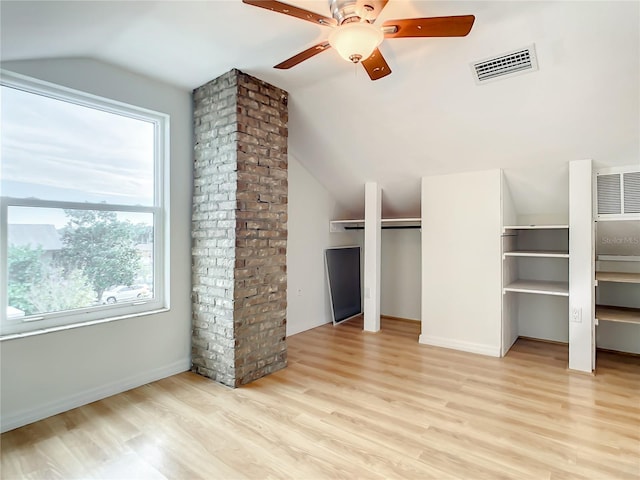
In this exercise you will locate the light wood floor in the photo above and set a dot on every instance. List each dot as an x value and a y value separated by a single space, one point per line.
357 405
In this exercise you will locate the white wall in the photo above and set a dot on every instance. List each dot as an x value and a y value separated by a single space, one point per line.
540 193
45 374
622 337
461 261
545 317
400 273
311 208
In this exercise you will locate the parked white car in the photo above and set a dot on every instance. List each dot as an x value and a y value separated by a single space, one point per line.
124 293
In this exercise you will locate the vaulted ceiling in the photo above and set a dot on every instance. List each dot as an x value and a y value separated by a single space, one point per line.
428 117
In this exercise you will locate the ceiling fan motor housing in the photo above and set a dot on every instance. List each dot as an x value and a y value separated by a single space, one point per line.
346 11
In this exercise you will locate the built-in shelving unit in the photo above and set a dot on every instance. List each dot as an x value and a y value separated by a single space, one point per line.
535 282
616 233
521 239
386 223
613 313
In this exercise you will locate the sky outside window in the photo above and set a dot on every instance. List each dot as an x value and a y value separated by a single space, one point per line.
55 150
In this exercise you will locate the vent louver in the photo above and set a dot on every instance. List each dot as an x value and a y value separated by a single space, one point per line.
609 194
519 61
632 192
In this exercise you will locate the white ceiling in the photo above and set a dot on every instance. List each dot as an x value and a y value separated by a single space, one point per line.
427 117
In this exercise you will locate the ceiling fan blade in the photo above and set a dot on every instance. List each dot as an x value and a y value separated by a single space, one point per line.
302 56
457 26
292 11
376 66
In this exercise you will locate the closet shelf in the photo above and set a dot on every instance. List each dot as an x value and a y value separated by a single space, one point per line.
539 287
619 258
385 223
534 227
618 314
618 277
538 253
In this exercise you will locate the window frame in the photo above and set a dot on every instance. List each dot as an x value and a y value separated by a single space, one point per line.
42 323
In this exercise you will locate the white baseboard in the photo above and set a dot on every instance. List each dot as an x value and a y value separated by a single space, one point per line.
482 349
24 417
303 328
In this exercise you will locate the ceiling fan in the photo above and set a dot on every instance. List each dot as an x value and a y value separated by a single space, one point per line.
356 37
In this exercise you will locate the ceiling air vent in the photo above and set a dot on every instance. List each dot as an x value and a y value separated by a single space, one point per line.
508 64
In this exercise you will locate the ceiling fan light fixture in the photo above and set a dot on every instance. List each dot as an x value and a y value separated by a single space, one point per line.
356 41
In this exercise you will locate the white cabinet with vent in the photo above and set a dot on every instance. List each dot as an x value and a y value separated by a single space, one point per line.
617 300
617 259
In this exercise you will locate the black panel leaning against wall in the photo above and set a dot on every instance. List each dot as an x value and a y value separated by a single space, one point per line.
239 229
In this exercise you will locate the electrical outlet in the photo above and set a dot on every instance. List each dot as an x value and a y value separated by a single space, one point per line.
576 314
299 292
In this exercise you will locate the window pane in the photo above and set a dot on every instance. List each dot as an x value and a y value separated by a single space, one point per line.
56 150
68 259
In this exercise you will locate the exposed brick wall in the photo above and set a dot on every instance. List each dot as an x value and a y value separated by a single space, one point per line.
239 229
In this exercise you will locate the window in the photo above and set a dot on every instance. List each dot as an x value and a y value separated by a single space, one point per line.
81 207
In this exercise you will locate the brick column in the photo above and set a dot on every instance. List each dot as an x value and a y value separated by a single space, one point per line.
239 229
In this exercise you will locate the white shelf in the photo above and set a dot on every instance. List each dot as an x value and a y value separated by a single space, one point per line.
401 222
538 253
619 258
618 314
618 277
539 287
342 225
535 227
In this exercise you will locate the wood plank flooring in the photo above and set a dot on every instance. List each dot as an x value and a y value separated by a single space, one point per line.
357 405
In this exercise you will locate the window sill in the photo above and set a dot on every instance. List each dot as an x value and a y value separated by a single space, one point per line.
42 331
